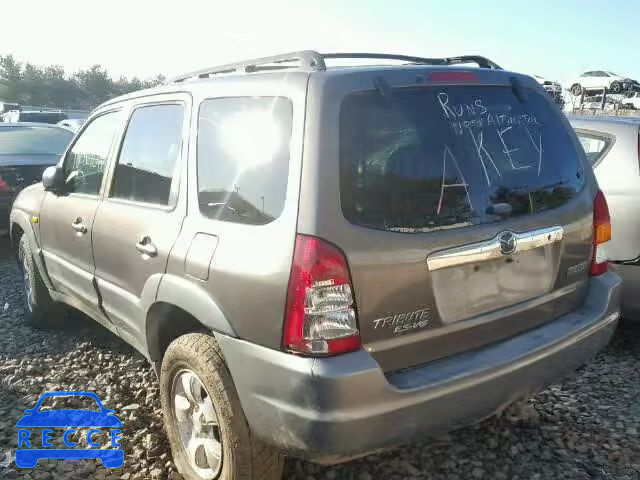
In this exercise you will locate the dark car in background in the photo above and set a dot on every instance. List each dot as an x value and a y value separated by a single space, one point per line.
16 116
26 149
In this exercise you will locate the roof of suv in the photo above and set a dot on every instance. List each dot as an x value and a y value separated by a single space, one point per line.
309 61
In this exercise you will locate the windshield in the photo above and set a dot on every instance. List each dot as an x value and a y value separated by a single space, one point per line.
429 158
25 140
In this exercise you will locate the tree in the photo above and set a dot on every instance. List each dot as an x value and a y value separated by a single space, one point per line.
96 86
10 75
51 86
10 69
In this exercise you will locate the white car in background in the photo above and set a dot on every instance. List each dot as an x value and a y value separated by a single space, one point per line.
595 102
553 88
598 79
632 100
72 124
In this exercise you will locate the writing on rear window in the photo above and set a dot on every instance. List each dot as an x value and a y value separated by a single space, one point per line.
475 114
424 159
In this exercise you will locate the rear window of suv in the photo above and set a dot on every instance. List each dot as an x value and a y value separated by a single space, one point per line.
423 159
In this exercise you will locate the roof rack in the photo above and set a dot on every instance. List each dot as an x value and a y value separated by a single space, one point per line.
313 61
482 62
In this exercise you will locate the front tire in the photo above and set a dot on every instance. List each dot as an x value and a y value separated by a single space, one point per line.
40 311
208 432
576 89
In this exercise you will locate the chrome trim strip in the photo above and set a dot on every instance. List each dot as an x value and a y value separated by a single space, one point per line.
490 249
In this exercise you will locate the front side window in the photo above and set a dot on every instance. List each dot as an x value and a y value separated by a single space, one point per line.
594 145
149 155
243 158
86 161
424 159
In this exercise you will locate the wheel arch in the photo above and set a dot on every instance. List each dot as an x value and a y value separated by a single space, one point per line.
20 224
181 306
15 233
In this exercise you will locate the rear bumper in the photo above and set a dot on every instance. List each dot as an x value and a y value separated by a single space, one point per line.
330 410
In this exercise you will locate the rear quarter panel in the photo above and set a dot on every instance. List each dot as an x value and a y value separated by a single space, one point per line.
249 270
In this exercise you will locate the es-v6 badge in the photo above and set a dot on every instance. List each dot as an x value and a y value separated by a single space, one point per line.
402 322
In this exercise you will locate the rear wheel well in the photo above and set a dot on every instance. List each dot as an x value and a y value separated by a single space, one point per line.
165 323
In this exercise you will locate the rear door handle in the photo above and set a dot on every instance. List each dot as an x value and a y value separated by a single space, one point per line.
146 247
79 227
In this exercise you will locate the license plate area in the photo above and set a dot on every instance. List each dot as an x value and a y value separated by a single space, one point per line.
478 278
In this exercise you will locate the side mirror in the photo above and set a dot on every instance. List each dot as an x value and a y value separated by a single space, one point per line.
52 179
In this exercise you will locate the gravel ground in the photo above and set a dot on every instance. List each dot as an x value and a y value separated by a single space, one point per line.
586 428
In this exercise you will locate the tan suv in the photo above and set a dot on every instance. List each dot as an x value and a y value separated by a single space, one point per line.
322 262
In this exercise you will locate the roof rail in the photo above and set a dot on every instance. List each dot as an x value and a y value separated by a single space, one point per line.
314 61
307 59
482 62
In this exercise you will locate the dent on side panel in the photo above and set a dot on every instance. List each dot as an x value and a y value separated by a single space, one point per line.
130 308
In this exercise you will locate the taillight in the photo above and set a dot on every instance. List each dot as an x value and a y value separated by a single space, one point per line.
601 235
453 77
4 187
320 318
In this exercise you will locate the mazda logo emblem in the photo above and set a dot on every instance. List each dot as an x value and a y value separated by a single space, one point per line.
508 242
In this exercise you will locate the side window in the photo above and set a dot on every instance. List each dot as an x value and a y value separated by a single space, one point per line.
594 146
243 158
149 156
86 161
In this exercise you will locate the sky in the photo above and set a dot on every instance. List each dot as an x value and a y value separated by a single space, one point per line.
556 39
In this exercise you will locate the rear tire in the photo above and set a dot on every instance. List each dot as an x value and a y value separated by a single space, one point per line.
40 311
238 454
576 89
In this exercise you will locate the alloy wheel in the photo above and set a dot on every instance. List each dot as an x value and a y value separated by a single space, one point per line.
197 422
26 284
